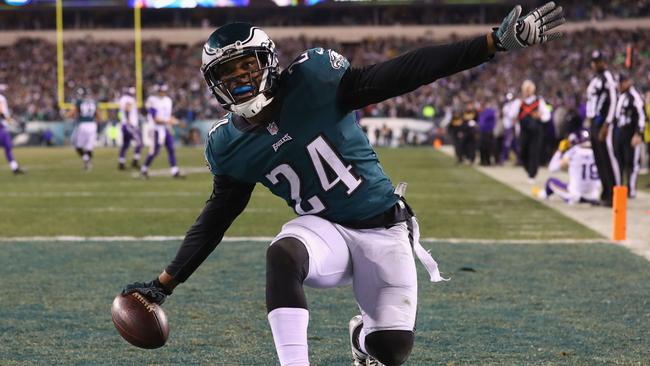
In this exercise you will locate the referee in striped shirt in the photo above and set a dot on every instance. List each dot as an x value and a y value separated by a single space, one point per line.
601 104
630 122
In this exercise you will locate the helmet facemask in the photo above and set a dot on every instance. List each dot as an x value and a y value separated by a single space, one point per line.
261 82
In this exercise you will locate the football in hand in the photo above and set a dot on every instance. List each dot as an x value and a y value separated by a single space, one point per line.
139 321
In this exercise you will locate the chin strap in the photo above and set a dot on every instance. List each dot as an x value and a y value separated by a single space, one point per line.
251 107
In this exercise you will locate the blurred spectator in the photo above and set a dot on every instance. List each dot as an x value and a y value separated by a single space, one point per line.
333 13
404 136
47 137
486 123
194 137
469 127
455 131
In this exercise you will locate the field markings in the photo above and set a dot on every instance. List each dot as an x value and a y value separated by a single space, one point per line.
131 210
598 219
257 239
57 194
166 172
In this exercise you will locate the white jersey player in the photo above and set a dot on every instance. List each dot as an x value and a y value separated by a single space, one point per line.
159 122
584 184
130 126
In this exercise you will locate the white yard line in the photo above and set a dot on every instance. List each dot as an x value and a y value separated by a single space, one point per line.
166 172
131 210
598 219
266 239
55 194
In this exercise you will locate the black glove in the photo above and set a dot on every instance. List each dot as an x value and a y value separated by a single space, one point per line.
533 28
154 291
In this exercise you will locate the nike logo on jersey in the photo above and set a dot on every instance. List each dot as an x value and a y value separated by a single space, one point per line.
281 141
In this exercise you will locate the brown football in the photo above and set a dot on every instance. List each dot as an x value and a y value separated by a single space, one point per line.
140 322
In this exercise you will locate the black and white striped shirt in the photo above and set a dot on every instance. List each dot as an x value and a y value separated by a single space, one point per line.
629 110
601 96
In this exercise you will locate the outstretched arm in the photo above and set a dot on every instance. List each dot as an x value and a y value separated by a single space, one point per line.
360 87
227 201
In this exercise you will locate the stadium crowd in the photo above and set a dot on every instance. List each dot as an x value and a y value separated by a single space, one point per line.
106 67
266 13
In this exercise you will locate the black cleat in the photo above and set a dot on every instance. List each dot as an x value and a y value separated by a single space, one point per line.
602 203
144 175
121 166
178 176
135 164
19 171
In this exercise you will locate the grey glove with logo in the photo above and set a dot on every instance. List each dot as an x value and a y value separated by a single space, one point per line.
517 32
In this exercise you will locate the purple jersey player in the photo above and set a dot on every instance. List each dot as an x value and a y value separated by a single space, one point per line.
130 128
5 137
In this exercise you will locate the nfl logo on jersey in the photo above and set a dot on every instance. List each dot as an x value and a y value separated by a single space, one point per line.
272 128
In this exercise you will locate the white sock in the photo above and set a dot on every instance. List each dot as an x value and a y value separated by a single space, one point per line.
121 160
144 169
85 157
289 328
136 157
174 170
13 165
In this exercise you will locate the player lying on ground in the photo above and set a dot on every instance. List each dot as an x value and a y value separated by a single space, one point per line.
295 132
576 156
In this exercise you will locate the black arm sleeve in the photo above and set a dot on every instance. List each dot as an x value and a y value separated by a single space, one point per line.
227 201
360 87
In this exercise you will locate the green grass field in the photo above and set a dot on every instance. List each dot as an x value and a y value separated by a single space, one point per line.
506 304
644 182
58 198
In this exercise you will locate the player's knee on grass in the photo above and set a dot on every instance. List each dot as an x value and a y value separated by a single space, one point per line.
287 266
390 347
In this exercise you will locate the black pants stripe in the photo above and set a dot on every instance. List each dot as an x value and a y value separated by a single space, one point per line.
530 139
486 147
629 158
603 163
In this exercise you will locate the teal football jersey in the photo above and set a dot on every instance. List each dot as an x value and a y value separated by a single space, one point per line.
87 108
314 155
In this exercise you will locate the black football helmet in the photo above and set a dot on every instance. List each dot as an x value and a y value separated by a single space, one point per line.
233 41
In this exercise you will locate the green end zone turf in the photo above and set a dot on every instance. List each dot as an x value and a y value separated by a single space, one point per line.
58 198
505 305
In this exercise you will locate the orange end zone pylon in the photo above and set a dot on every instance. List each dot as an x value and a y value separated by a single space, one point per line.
619 213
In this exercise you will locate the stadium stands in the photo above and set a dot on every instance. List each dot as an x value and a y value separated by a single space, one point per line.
332 13
105 67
